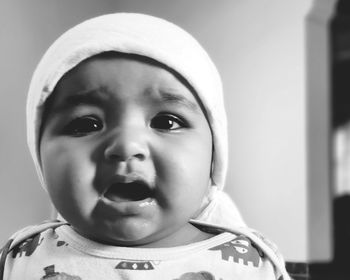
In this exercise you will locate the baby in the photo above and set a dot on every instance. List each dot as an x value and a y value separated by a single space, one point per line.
127 129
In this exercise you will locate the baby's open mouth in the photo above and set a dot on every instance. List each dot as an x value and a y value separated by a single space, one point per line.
132 191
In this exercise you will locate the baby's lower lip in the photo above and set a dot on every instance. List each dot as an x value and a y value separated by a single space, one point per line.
117 198
128 208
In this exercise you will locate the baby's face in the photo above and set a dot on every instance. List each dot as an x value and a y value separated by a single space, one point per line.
126 152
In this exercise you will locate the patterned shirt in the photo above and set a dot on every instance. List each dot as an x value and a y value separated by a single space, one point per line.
58 252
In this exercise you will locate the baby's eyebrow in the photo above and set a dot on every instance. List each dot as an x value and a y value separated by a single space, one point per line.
177 99
100 97
90 97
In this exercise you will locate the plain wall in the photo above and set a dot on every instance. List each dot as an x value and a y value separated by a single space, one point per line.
259 48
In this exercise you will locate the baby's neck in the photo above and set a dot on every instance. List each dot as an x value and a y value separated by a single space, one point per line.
187 235
190 234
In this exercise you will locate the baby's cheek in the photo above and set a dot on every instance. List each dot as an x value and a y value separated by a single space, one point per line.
70 186
63 166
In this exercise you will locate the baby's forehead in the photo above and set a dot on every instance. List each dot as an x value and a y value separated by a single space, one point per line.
112 75
124 67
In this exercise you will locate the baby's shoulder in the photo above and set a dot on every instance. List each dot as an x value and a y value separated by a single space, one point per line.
29 233
24 242
247 246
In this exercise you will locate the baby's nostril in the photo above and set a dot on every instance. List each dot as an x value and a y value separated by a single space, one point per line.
125 156
124 146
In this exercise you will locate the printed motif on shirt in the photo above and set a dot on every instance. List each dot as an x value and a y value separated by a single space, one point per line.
51 274
27 247
239 249
202 275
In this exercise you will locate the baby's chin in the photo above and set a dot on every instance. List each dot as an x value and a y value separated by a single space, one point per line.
140 234
126 232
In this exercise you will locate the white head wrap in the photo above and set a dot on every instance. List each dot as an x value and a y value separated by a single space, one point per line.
162 41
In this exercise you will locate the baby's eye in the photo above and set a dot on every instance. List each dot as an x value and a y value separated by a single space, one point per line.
83 125
167 122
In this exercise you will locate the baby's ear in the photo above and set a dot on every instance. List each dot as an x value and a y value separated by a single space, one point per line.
212 161
210 182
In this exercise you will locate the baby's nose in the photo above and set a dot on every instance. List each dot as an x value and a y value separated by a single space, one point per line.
127 143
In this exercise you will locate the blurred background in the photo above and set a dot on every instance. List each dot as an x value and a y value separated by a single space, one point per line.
275 60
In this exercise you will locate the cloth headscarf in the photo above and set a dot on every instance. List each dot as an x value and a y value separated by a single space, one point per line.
157 39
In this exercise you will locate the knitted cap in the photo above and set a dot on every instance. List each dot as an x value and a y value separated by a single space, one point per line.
147 36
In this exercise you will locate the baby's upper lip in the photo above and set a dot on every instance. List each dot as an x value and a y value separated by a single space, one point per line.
129 187
129 178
